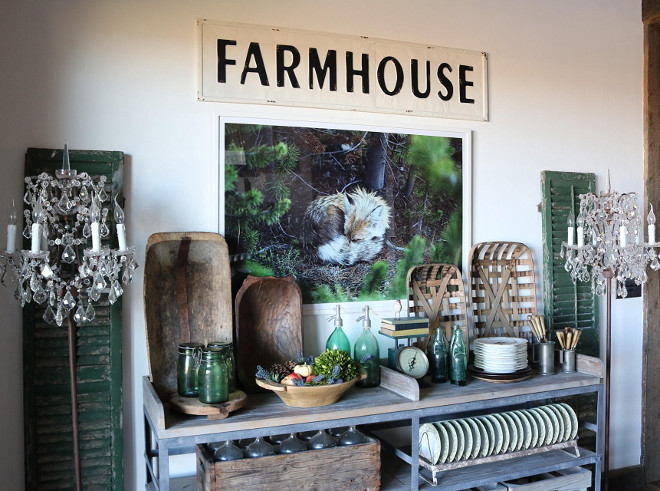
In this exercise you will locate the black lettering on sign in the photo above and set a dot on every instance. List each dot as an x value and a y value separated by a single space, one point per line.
254 53
222 59
446 83
463 84
330 66
414 71
281 67
350 72
399 75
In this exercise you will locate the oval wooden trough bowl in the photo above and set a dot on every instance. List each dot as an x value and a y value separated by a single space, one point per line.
311 396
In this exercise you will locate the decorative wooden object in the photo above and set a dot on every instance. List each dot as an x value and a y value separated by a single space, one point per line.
312 396
437 291
187 298
192 405
502 288
353 467
268 325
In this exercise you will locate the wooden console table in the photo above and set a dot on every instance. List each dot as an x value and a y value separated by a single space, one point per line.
169 433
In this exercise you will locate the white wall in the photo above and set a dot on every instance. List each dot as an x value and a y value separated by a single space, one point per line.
565 94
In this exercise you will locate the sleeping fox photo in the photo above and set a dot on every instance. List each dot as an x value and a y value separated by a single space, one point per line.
345 212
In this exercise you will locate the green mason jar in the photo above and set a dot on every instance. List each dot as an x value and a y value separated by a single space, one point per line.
213 379
228 353
186 369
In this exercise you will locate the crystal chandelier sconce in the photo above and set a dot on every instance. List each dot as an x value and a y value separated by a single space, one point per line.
60 270
610 240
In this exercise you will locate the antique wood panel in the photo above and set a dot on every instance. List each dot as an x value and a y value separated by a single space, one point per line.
651 339
47 400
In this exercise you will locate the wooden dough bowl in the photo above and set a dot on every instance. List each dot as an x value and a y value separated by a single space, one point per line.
312 396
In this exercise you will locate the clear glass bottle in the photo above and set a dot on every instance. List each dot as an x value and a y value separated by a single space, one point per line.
458 360
228 451
259 448
213 379
228 353
366 346
187 369
338 338
292 444
438 357
322 440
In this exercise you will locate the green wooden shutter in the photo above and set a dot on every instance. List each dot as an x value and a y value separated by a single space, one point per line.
566 303
47 403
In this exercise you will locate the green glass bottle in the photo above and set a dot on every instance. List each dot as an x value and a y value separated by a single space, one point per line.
438 357
338 338
187 368
366 348
213 378
458 360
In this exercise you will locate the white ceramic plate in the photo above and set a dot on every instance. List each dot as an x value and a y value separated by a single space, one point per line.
469 440
568 425
476 437
574 419
484 437
429 443
453 440
516 438
561 436
500 342
523 428
492 438
444 443
549 428
533 426
460 439
506 435
499 434
540 426
557 432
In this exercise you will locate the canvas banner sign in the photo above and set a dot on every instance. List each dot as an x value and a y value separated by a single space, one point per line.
258 64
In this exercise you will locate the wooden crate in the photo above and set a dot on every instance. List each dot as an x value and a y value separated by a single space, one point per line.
352 467
572 479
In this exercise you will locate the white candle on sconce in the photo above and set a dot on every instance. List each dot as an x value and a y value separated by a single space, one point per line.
623 236
651 225
571 228
121 228
38 216
580 230
95 215
11 229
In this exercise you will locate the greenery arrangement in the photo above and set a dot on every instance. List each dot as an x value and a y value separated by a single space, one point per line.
328 368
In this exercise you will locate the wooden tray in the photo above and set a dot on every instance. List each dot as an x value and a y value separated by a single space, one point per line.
268 325
192 405
187 297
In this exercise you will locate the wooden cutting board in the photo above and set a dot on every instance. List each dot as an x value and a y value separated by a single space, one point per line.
187 298
268 325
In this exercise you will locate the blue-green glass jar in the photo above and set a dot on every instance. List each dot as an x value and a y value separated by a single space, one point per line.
187 369
228 353
213 378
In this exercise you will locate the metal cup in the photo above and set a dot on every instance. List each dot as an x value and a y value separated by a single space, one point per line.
544 355
567 359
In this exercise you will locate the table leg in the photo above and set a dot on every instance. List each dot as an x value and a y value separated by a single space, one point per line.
414 455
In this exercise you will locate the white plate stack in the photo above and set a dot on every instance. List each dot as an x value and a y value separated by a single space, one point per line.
500 355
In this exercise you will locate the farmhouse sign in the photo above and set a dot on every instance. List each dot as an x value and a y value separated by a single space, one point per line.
257 64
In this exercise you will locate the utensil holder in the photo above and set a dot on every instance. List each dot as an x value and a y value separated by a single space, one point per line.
567 359
544 355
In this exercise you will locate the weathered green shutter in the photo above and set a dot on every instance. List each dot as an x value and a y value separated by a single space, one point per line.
47 403
566 303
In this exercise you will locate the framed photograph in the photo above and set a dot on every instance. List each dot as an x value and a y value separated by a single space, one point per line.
344 210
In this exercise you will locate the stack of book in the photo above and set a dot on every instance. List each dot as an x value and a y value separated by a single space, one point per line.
404 326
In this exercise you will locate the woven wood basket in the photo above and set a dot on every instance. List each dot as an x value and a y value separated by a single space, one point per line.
502 288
